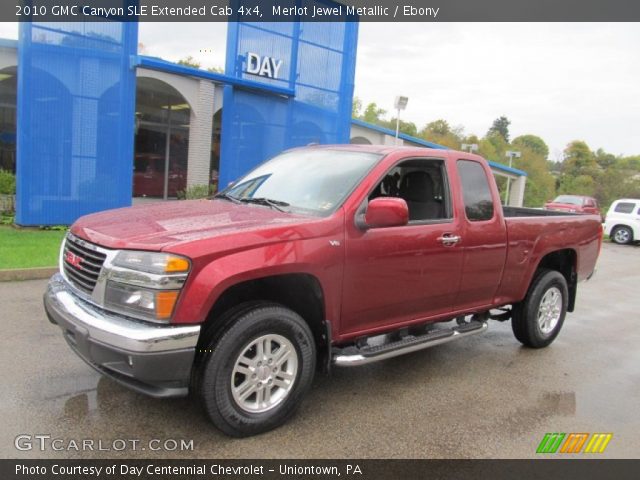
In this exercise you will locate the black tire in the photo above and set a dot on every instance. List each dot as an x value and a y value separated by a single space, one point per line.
214 372
524 321
622 235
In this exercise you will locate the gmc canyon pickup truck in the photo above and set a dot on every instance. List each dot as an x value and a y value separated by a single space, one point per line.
324 256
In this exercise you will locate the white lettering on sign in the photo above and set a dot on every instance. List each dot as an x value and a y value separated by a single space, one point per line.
263 66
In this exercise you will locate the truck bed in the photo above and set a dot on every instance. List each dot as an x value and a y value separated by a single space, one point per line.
532 234
513 212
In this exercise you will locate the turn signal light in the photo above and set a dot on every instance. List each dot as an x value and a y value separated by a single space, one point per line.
176 264
165 301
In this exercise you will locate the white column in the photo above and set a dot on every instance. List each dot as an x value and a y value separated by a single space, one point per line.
516 193
200 130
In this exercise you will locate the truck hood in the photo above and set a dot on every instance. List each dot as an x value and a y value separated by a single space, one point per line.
161 225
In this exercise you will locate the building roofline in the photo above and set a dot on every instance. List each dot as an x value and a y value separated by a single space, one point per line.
401 135
507 168
425 143
159 64
8 43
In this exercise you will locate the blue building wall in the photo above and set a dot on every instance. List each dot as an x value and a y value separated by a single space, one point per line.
76 104
318 65
76 101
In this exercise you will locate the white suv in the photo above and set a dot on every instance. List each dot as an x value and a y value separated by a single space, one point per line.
623 221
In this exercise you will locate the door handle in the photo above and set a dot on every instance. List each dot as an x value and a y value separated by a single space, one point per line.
449 240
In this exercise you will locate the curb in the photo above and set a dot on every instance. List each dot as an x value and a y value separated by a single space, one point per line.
37 273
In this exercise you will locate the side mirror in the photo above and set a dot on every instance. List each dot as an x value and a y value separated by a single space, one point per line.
386 212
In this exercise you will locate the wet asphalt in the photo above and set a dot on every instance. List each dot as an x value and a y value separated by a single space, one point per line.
482 396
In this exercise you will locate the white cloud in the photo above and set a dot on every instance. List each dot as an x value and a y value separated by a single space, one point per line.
556 80
206 42
9 30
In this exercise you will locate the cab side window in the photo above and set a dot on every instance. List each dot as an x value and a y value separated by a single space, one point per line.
478 203
422 184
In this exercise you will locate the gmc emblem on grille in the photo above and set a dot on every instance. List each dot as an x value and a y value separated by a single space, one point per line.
73 259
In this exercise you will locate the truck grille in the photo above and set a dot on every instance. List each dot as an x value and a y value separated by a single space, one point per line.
81 264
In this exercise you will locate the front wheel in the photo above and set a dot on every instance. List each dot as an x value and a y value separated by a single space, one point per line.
253 377
537 320
622 235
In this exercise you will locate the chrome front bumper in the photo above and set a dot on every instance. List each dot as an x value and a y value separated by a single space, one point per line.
152 359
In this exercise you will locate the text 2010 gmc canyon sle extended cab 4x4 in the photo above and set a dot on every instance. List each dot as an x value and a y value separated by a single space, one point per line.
323 255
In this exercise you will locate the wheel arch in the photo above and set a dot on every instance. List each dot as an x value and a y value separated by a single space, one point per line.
566 262
634 231
300 292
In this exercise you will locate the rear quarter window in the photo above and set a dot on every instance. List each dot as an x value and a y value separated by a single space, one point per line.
624 207
478 203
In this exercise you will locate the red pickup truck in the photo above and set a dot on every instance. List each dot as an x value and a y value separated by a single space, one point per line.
323 256
574 204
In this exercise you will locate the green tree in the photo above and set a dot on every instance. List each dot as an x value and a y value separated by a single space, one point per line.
356 107
533 142
500 127
189 61
500 146
604 159
578 185
373 114
541 185
441 132
631 163
471 139
438 127
408 128
579 160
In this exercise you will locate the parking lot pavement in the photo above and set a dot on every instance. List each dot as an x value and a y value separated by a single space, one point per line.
483 396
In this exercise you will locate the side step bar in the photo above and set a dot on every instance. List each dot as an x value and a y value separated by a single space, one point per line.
355 356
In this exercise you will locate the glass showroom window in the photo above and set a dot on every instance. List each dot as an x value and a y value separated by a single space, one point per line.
8 99
162 140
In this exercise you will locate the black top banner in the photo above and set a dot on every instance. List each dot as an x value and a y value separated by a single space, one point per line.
320 11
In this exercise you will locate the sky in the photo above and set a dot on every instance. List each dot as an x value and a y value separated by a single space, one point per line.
560 81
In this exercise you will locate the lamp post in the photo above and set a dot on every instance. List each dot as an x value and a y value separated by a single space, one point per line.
511 154
400 104
472 147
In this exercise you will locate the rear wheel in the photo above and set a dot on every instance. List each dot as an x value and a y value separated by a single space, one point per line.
537 320
622 235
253 377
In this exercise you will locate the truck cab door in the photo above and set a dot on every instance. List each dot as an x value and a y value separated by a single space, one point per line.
396 275
484 236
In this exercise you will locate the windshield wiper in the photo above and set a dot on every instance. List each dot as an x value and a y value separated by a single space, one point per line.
226 196
275 204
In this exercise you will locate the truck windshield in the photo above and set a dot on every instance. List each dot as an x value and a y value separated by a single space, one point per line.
307 181
568 199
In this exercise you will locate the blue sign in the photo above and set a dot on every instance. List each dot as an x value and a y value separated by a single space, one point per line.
315 60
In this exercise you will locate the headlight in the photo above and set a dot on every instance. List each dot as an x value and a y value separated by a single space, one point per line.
145 285
151 262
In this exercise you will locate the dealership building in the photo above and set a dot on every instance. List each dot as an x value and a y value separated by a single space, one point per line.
89 124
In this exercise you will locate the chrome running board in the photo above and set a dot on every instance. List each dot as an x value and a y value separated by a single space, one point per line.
354 356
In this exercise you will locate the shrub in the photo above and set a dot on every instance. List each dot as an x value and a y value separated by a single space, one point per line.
7 183
195 191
